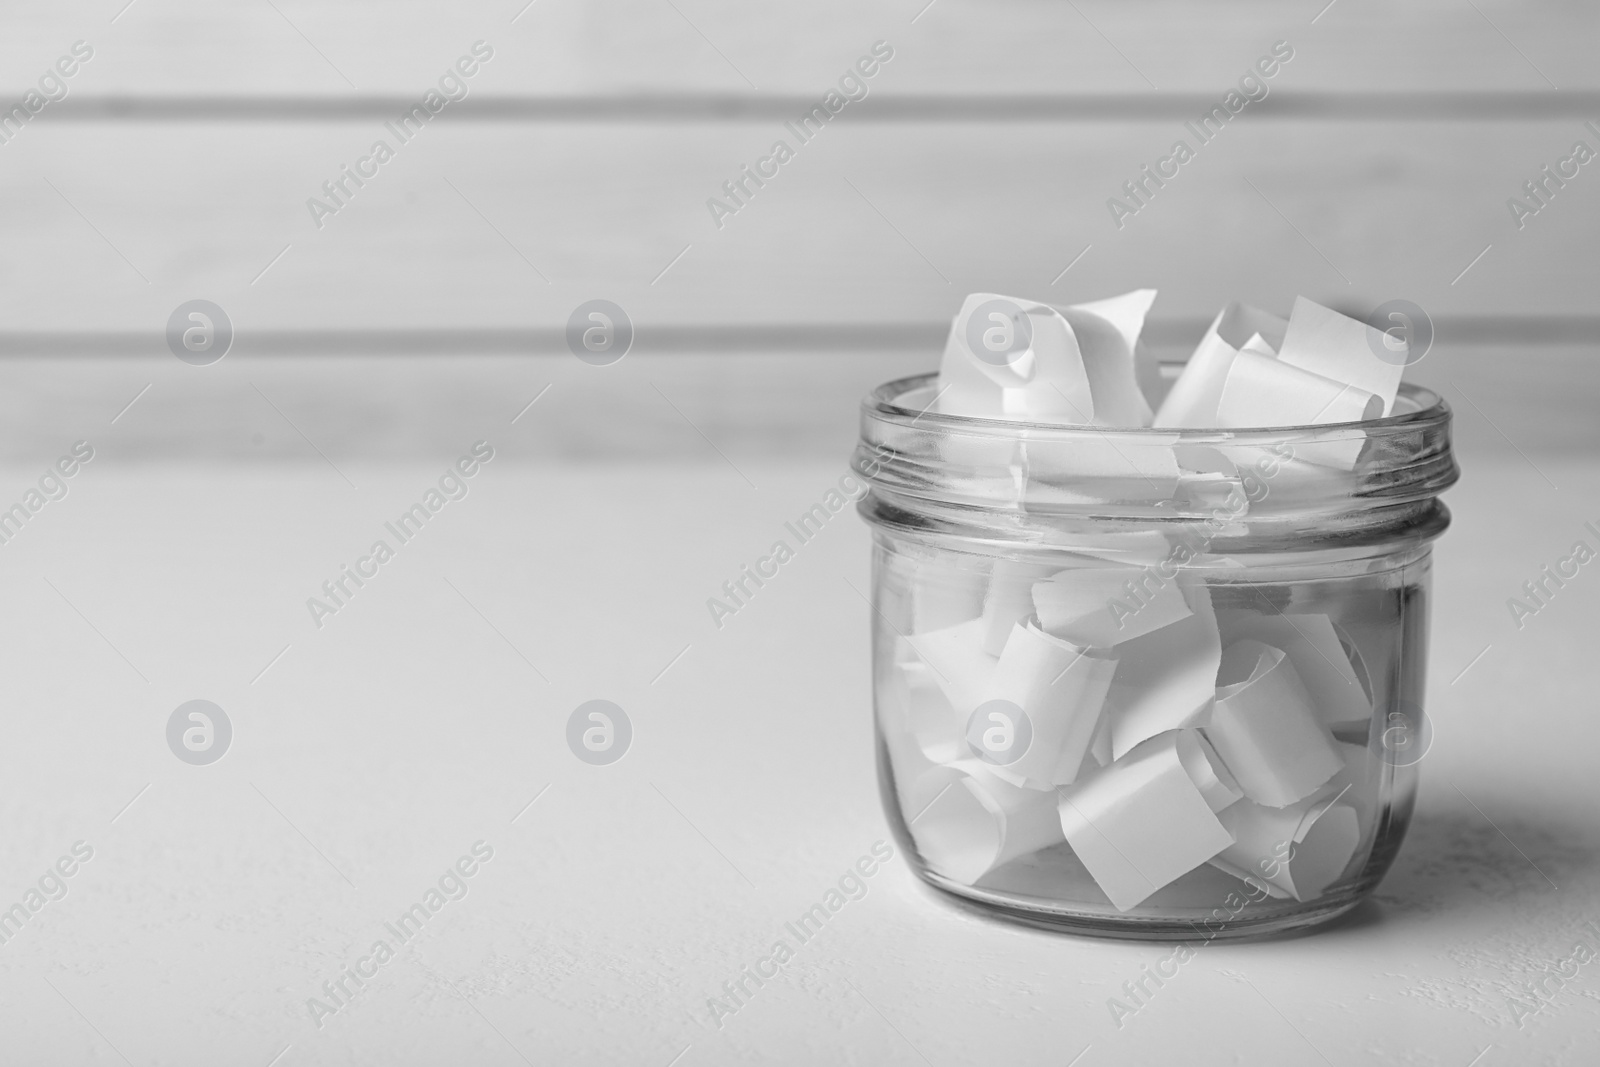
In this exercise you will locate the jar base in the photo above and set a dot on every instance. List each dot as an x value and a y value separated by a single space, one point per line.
1274 919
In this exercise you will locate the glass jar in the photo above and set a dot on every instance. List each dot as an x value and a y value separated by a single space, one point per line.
1150 683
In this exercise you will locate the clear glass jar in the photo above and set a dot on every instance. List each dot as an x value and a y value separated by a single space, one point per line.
1151 683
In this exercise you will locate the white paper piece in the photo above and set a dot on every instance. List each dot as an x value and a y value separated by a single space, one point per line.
1100 746
1265 727
1098 468
1207 770
1009 600
1062 689
1258 345
1335 346
1166 680
1102 607
1147 370
931 720
1262 392
1298 850
942 596
1313 646
960 666
978 822
1192 401
1046 381
1107 332
1141 823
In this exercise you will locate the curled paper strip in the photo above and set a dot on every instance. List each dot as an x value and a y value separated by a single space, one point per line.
1107 332
1265 727
1009 600
1261 391
1062 689
1298 851
1166 679
1141 823
978 822
1206 770
1336 346
1009 358
1313 646
1192 401
1013 358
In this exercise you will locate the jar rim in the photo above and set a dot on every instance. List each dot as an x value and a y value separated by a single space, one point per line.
1021 480
1424 406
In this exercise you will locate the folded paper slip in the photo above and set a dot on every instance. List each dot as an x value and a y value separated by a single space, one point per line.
1298 851
1141 823
1061 688
1346 350
1313 646
1192 402
978 822
1265 727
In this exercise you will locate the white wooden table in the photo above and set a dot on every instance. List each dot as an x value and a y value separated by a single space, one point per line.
426 715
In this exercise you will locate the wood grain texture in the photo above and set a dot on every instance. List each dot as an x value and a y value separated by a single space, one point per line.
582 164
479 226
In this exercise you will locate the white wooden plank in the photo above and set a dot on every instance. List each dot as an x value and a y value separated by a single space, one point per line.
109 227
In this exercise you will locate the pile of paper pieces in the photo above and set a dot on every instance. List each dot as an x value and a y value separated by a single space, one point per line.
1146 729
1084 365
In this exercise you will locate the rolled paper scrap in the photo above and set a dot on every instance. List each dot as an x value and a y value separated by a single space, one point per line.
1319 657
1009 599
1140 823
1261 391
978 822
1265 727
1298 850
1107 332
961 668
1192 401
1166 680
942 596
1061 688
1102 607
1207 770
1046 380
1336 346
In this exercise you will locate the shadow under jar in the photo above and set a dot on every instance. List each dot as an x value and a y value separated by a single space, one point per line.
1151 683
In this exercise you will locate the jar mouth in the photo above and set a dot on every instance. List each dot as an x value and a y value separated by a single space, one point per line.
913 397
1023 479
